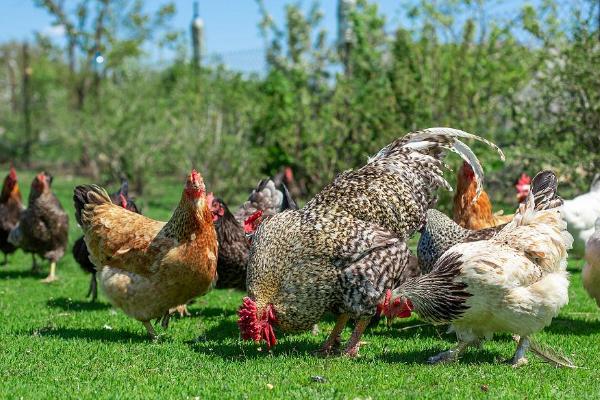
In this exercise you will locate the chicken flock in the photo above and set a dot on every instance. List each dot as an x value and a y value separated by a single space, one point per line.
345 252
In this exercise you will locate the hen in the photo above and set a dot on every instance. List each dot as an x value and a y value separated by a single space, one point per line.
43 227
148 267
515 282
591 270
581 214
11 206
80 251
233 244
473 210
348 245
440 233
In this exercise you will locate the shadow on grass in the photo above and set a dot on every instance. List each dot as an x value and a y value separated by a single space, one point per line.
571 326
97 334
211 312
20 274
68 304
472 356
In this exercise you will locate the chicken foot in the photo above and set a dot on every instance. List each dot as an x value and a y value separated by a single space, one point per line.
52 275
150 330
353 344
449 355
334 340
519 359
93 290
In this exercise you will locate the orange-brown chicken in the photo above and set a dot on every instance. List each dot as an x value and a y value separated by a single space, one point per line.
476 214
147 267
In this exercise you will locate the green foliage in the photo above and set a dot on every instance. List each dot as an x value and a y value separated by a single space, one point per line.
529 83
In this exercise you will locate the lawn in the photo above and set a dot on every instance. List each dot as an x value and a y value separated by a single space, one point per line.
55 344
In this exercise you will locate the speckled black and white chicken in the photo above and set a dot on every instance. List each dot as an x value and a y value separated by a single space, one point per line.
515 282
347 246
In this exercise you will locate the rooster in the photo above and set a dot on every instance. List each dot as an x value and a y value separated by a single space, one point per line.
591 271
11 206
515 282
347 246
472 207
43 227
148 267
233 244
440 233
80 251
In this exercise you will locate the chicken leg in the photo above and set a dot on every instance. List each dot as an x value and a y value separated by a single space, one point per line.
334 340
35 268
93 290
52 276
449 355
353 344
150 330
519 358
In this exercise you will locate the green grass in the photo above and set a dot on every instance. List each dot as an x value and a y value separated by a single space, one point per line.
55 344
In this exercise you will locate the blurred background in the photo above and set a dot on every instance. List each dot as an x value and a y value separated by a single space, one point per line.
242 89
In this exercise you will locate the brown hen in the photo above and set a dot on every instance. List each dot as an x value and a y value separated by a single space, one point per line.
473 210
148 267
11 206
43 227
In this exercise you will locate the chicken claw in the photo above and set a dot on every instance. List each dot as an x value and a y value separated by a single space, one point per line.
332 344
353 344
150 330
519 359
52 276
451 355
182 310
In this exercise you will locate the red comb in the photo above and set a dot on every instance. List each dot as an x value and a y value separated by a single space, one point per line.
12 173
253 328
123 200
252 222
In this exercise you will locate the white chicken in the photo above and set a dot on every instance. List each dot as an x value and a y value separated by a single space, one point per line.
591 270
581 214
515 282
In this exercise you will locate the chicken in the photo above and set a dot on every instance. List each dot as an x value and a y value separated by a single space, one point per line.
515 282
11 206
233 244
43 227
440 233
80 251
472 210
148 267
347 246
581 214
591 270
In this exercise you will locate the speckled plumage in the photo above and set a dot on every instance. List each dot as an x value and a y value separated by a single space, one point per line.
440 233
347 246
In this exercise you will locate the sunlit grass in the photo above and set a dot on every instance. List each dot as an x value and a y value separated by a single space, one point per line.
55 344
